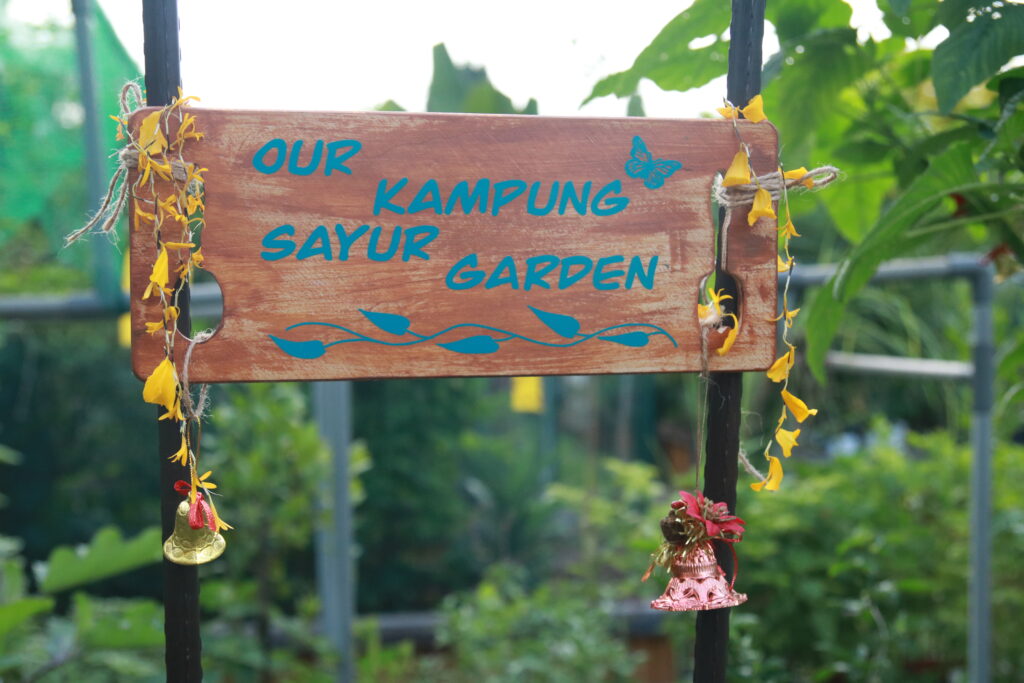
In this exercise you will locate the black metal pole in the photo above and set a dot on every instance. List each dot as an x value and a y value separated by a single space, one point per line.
183 646
711 646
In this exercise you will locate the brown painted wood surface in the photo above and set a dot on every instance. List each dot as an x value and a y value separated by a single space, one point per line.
263 298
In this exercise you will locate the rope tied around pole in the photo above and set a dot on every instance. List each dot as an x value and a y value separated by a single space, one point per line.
735 196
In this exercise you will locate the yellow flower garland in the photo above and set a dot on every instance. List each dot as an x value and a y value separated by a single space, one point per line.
741 172
175 216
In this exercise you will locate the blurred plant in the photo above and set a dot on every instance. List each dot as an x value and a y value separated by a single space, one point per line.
842 570
860 572
617 512
274 464
502 632
94 639
385 664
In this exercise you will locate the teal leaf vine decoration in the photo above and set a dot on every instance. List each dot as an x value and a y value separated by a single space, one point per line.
480 343
389 322
564 325
301 349
636 338
487 339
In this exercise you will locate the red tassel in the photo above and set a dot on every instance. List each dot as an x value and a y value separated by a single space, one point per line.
199 513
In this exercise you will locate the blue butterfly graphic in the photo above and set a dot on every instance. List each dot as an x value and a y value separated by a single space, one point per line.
644 165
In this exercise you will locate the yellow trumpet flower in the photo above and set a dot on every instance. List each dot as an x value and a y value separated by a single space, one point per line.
774 479
799 409
739 170
787 440
762 207
779 370
161 386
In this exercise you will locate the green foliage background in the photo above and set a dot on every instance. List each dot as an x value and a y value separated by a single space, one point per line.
524 550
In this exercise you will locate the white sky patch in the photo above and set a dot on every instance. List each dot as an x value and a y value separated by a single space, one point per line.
346 56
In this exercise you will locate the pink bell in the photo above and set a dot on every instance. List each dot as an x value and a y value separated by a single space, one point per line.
698 583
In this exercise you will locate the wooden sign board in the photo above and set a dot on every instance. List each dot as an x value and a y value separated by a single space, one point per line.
371 245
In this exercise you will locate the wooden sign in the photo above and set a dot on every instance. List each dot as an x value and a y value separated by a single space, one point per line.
420 245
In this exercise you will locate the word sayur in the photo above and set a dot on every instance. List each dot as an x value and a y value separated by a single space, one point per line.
485 198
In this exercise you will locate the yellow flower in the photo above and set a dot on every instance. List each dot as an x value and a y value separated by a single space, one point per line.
754 111
120 127
169 206
730 338
779 370
800 410
141 216
194 174
201 482
159 277
173 413
788 230
153 328
762 206
182 454
151 138
717 298
171 313
193 204
798 173
197 258
789 315
787 440
739 170
784 265
161 386
774 476
221 524
187 130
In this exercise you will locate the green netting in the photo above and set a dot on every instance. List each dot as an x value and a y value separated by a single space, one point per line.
42 165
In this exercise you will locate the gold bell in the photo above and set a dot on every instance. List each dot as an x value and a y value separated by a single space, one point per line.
192 546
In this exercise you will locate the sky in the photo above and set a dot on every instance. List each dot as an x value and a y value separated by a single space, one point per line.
352 56
337 55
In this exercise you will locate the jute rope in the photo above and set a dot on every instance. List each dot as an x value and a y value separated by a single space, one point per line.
193 410
116 197
743 195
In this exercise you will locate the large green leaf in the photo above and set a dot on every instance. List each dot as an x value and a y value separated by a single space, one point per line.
854 203
795 20
465 89
910 18
974 51
115 623
107 555
804 99
669 61
15 613
949 172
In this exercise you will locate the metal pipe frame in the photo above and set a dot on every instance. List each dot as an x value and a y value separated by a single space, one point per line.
981 374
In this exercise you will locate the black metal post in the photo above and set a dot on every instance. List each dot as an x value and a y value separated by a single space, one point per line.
711 646
183 646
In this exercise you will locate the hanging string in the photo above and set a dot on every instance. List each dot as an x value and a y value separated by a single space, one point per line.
193 410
